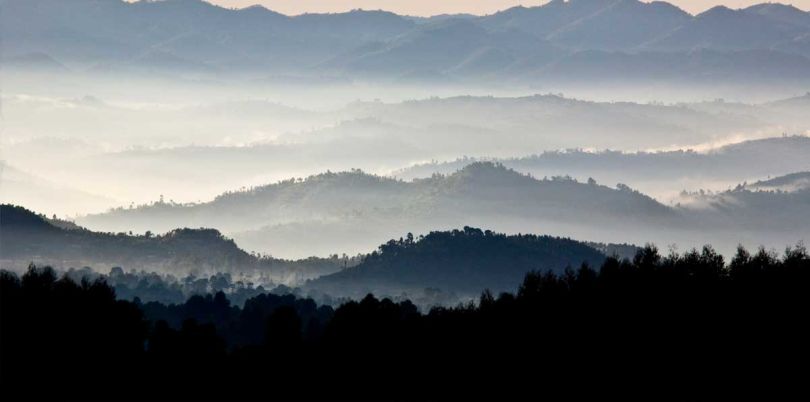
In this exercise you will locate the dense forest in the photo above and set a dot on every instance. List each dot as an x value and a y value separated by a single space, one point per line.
459 261
682 325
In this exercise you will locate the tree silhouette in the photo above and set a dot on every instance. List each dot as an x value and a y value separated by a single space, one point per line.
655 326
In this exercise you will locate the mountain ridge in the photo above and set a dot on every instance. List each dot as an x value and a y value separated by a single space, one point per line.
356 190
514 44
460 261
30 238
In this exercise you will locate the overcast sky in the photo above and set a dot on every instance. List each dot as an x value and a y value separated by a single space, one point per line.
432 7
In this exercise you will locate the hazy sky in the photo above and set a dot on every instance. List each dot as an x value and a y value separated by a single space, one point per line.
432 7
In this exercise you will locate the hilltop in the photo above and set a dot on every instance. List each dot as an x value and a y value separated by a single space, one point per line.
459 261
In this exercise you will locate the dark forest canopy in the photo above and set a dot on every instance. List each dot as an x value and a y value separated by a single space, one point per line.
655 326
170 289
462 261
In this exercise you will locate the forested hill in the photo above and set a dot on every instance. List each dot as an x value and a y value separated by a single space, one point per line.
778 205
26 237
324 207
476 188
753 158
461 261
792 182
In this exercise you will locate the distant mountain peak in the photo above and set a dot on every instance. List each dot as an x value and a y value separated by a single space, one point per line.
197 234
717 11
258 9
483 175
790 182
486 168
774 7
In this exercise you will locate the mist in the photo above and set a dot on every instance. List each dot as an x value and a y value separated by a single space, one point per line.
329 134
124 141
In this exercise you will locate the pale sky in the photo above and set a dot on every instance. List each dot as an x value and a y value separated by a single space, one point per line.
433 7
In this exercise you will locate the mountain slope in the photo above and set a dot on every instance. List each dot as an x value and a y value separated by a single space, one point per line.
789 183
86 32
461 261
324 207
779 205
26 237
783 13
545 19
455 45
725 164
721 28
621 25
18 187
473 190
178 37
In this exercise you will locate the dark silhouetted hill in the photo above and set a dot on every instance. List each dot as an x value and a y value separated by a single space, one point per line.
461 261
27 237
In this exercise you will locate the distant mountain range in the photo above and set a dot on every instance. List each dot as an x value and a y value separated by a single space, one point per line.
324 208
660 172
792 182
562 40
474 189
779 203
180 152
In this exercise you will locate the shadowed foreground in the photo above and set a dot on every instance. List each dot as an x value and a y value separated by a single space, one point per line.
681 326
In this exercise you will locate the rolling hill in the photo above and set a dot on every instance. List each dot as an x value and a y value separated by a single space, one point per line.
788 183
777 205
26 237
662 173
301 217
480 189
459 261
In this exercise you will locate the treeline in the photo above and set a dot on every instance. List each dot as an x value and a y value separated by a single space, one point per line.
26 236
145 286
675 326
461 262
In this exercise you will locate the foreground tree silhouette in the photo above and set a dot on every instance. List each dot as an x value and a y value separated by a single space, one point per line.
675 326
284 330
